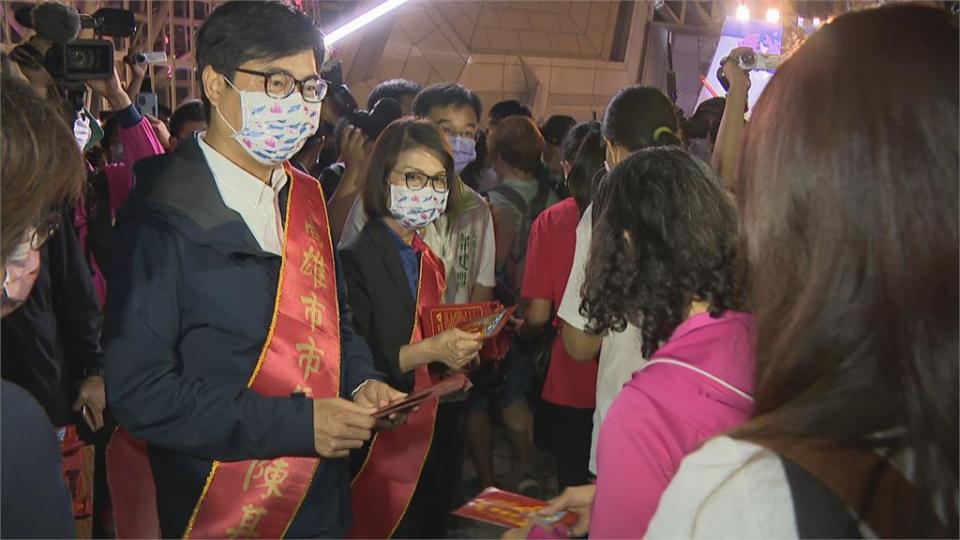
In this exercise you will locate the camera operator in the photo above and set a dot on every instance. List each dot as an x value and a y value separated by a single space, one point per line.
730 135
106 188
34 498
354 145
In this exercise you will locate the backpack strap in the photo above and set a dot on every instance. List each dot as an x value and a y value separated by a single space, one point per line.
513 196
867 483
539 202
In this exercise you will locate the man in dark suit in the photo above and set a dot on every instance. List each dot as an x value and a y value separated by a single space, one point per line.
191 321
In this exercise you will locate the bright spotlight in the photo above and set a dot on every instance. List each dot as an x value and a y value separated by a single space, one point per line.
800 22
816 21
773 15
743 12
363 20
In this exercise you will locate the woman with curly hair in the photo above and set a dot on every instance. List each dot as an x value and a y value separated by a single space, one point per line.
662 258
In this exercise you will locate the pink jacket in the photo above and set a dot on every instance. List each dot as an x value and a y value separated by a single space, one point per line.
139 142
665 412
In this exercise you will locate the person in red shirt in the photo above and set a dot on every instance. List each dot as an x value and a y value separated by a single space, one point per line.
570 388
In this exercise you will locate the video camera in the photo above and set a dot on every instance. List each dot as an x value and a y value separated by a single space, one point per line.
372 122
71 61
748 61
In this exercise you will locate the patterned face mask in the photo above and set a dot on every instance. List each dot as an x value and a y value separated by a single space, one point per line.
274 130
415 209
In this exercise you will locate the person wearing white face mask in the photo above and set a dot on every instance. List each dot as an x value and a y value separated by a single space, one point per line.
392 275
463 236
230 348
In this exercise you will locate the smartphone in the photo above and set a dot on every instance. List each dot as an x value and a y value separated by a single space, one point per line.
147 102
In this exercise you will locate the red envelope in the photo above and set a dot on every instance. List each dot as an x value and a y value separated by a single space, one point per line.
457 382
436 319
510 510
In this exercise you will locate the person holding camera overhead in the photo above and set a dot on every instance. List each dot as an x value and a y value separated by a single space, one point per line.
230 348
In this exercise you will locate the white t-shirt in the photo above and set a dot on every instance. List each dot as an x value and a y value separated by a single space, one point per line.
620 352
727 489
467 249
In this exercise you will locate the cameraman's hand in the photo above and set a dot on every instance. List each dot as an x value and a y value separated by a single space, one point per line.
139 70
739 79
456 348
111 89
340 426
352 141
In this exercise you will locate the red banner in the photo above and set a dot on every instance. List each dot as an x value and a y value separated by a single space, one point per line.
385 484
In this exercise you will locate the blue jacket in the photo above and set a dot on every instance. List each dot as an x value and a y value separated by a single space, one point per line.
189 303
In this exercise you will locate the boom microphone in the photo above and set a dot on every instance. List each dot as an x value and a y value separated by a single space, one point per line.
56 22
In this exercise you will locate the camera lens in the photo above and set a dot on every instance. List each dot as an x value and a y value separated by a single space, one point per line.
81 59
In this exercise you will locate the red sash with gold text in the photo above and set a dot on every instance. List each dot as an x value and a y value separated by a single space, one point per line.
383 488
260 498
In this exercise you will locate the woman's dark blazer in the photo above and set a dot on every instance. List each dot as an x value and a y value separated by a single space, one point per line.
384 311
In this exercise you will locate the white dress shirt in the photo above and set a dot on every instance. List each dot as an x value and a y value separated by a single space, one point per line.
247 195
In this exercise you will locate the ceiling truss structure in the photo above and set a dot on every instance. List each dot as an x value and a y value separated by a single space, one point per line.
169 26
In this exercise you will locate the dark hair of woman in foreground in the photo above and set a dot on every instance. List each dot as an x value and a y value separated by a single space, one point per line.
848 189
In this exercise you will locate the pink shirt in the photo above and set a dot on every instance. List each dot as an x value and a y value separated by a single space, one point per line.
139 142
667 411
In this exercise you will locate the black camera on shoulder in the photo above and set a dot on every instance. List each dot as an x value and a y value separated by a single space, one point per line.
371 122
67 58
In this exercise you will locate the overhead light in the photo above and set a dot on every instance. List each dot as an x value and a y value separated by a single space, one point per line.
816 21
362 20
743 12
800 22
773 15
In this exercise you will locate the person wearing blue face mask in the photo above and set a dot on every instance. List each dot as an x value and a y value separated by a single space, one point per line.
462 237
230 349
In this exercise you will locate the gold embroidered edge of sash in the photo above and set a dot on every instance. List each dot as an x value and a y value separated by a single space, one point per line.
266 347
336 327
433 427
203 495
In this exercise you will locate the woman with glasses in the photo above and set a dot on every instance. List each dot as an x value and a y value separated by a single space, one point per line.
391 276
35 502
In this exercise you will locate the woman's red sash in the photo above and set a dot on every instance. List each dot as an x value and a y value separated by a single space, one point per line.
260 498
383 488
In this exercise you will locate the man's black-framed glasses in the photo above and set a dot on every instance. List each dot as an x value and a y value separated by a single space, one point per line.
280 84
418 180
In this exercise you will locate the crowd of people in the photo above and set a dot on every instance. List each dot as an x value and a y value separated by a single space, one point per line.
722 327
